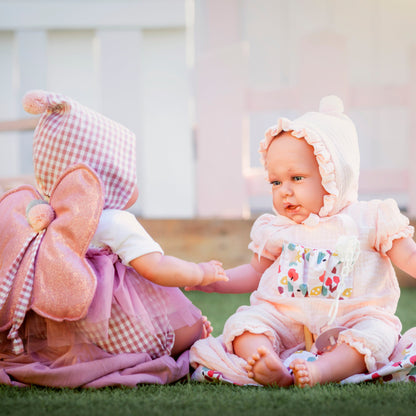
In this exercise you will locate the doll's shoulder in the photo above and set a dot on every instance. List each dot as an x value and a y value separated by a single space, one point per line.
267 233
117 217
381 221
271 221
119 224
264 220
122 232
374 210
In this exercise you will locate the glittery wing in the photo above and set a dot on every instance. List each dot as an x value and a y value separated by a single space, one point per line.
64 283
15 235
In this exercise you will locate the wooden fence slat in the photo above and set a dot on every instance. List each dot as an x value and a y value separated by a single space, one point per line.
19 125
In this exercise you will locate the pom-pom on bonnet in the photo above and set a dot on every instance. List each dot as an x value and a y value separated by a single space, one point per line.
333 136
69 133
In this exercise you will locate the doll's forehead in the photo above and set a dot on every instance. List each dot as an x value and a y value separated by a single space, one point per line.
286 140
288 153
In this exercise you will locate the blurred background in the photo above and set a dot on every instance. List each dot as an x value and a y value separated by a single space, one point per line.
199 81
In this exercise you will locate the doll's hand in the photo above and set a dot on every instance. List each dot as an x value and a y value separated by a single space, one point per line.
207 289
212 272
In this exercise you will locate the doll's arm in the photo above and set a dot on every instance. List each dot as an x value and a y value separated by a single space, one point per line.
171 271
403 255
241 279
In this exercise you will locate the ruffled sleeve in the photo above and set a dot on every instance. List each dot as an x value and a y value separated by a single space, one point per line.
265 237
390 225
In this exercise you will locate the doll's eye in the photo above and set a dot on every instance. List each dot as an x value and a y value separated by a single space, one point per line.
297 178
275 183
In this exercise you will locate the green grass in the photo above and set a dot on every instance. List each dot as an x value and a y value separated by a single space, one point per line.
195 399
217 307
190 398
406 309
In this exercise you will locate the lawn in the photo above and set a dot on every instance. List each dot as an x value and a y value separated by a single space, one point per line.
190 398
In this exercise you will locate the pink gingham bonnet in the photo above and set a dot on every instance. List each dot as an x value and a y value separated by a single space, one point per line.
334 138
69 133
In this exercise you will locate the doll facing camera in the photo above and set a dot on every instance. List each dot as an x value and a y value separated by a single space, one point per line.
321 269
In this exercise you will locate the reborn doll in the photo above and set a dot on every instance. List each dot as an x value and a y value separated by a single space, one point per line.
323 262
81 282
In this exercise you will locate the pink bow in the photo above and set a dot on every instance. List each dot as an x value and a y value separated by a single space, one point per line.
42 256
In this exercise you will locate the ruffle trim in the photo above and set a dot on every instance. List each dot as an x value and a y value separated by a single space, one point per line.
359 345
386 245
258 330
325 163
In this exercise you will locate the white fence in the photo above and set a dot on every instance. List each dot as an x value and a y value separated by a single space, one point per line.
200 80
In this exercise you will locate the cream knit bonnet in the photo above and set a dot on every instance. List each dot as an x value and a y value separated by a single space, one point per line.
334 138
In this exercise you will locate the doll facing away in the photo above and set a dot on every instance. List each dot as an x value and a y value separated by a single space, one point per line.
322 265
82 284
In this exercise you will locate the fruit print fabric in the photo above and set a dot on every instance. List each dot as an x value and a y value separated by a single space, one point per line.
305 272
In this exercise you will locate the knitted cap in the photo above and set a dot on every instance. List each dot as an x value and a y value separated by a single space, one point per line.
69 133
334 138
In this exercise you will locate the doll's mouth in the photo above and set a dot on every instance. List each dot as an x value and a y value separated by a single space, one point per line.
291 208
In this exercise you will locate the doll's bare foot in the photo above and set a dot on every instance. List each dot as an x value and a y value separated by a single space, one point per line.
266 368
206 328
305 373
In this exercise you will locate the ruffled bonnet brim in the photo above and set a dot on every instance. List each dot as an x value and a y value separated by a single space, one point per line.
323 157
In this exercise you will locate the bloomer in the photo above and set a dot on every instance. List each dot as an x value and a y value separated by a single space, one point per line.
370 332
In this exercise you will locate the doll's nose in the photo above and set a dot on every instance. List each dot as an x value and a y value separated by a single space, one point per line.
286 189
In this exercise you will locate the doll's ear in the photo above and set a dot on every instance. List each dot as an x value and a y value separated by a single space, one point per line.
35 102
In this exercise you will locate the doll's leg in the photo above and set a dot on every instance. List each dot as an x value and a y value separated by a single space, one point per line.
367 343
263 364
188 335
333 366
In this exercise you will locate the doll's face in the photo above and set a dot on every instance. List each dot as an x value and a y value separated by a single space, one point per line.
294 175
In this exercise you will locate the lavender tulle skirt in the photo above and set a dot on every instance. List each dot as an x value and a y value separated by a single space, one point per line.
125 339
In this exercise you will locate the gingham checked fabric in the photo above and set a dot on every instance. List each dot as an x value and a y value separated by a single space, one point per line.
128 334
26 292
69 133
125 334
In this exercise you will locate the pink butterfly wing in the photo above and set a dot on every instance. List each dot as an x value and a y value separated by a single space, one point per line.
14 232
64 283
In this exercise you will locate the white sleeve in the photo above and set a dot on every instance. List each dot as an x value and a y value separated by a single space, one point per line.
121 231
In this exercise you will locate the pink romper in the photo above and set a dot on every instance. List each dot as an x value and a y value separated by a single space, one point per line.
305 281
